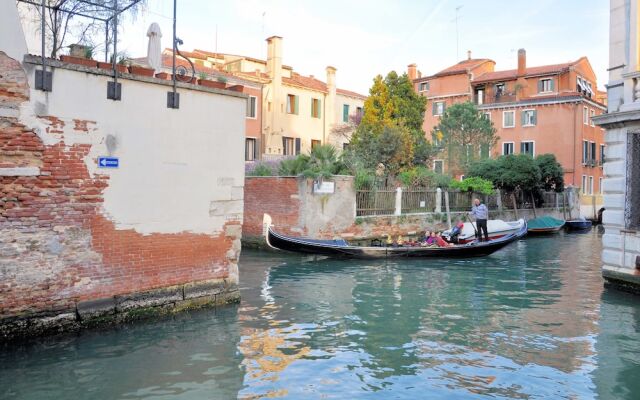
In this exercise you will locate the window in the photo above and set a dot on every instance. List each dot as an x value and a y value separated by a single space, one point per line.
315 143
600 185
424 86
545 85
590 187
252 106
290 146
345 146
292 104
438 107
359 112
484 151
601 154
581 87
345 113
487 115
507 148
529 117
250 149
315 108
585 152
480 96
585 115
589 89
593 114
438 166
508 119
584 184
528 147
592 154
500 89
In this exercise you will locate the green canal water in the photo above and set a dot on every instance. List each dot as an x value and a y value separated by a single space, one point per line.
530 322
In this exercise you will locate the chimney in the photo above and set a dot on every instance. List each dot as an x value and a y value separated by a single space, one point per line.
522 62
468 54
412 71
274 57
330 102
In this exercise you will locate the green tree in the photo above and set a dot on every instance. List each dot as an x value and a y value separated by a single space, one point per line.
474 184
465 134
552 174
510 173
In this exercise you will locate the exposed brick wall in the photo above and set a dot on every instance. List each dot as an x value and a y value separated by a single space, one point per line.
276 196
57 247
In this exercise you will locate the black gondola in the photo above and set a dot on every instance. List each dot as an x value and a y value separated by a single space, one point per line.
340 248
579 225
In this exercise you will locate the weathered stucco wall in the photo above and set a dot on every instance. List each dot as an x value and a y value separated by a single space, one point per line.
78 241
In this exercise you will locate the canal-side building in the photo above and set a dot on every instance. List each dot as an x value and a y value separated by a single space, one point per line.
621 241
535 110
112 208
297 112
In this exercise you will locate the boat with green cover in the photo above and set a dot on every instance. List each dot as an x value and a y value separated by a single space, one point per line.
544 224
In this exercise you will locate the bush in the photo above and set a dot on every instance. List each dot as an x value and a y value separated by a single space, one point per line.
260 169
474 184
293 166
364 180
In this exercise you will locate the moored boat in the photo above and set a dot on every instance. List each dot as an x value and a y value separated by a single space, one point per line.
545 224
341 248
579 224
496 228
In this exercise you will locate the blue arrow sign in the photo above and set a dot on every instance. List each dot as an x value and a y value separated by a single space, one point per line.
108 162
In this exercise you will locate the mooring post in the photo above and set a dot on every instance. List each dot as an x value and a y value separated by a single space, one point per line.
398 209
446 205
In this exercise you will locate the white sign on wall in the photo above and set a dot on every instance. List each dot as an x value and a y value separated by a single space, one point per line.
324 187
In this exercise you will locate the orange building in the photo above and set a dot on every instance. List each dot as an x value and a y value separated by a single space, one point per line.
535 110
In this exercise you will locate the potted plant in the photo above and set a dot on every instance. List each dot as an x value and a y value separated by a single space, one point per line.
140 70
163 75
86 61
220 83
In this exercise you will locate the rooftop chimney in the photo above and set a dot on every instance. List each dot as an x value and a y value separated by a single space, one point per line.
522 62
274 57
412 71
468 54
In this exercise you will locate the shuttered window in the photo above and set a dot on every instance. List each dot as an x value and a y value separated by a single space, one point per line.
438 107
292 104
315 108
529 117
527 147
251 149
545 85
345 113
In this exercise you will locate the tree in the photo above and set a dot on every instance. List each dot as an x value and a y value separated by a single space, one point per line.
62 23
510 173
465 134
552 174
390 131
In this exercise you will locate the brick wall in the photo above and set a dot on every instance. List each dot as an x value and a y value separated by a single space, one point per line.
276 196
58 246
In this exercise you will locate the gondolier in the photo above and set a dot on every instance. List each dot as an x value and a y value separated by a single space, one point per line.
481 213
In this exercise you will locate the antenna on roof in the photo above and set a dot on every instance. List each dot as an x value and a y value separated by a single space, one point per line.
457 42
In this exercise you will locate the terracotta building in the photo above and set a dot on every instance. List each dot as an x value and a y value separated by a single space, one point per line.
288 113
535 110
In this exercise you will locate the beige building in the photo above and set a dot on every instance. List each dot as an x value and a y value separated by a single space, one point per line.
298 112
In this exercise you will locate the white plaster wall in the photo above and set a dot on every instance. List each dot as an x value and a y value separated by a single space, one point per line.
180 170
12 39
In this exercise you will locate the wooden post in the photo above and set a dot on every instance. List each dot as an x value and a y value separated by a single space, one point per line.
446 205
515 206
533 204
398 205
593 204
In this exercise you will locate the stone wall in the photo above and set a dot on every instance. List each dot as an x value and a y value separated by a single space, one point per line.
82 245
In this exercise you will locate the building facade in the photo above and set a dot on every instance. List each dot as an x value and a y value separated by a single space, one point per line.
621 241
291 113
535 110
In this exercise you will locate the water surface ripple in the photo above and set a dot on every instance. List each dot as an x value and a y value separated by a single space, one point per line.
530 322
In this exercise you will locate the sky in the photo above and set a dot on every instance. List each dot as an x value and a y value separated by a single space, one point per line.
363 38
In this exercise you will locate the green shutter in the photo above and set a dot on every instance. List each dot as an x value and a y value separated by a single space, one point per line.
551 85
297 146
535 117
319 108
295 104
523 118
256 149
313 108
540 85
433 108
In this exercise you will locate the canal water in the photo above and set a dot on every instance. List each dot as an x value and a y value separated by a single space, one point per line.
529 322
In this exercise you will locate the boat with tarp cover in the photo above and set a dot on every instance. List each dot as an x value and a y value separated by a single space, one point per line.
341 248
545 224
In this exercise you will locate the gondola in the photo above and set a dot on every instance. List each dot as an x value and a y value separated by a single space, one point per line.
544 225
341 248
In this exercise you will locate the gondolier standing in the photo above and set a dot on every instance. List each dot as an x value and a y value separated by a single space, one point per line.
481 214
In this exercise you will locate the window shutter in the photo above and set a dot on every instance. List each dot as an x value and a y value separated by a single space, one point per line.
297 146
256 149
319 109
246 149
295 104
433 108
313 108
284 145
540 86
523 116
444 106
522 147
551 85
534 118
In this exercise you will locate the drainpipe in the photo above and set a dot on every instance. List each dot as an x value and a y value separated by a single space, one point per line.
324 119
575 169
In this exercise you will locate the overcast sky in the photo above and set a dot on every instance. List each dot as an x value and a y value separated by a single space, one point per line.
364 38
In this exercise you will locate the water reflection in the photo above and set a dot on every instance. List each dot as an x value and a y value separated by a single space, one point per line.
524 323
